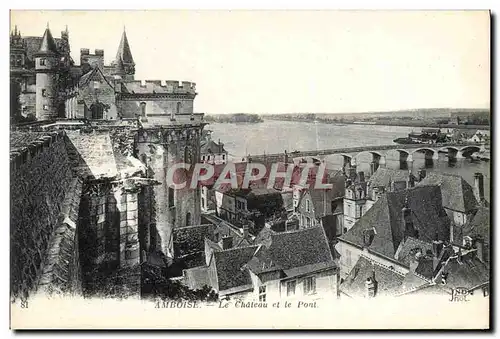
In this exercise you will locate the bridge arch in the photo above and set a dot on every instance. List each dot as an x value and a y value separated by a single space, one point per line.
468 150
429 152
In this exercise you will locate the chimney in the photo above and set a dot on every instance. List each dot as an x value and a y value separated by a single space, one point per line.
361 176
227 242
244 232
286 159
479 186
411 180
415 260
421 174
478 244
371 288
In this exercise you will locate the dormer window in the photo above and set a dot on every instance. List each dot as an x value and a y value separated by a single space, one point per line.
44 92
97 84
42 62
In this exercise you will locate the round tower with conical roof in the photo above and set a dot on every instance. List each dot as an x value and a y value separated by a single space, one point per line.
46 68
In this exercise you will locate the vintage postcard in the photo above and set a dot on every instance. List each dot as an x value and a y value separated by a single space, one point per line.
182 169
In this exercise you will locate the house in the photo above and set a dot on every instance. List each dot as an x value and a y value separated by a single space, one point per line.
478 229
460 199
295 265
212 152
394 218
480 136
257 204
315 206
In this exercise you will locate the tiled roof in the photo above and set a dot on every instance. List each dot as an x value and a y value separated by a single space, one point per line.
191 239
469 272
457 193
388 282
124 54
479 226
291 250
322 198
33 44
21 139
229 265
428 216
406 249
212 147
92 154
384 176
48 45
197 277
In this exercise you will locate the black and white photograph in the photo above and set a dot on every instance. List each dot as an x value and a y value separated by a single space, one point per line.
250 169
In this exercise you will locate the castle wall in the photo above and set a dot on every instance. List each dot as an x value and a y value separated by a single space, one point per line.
40 179
155 106
160 150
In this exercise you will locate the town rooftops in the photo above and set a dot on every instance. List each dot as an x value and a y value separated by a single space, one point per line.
385 220
465 271
294 253
388 282
384 176
406 248
479 226
231 276
457 193
189 243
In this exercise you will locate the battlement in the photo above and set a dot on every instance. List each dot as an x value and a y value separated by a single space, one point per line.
160 86
86 51
24 152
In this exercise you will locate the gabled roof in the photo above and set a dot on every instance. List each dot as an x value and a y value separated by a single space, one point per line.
457 193
33 44
385 216
229 266
322 198
212 147
124 54
48 45
388 281
294 252
406 249
384 176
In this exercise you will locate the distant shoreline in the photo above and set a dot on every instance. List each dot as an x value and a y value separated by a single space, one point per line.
384 123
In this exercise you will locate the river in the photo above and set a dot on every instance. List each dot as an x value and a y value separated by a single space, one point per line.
273 136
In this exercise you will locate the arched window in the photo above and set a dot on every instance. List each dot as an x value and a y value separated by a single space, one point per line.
188 219
179 106
143 109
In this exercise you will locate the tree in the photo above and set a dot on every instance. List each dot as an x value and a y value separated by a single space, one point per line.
15 104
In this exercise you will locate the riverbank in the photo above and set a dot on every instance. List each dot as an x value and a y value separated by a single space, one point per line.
416 124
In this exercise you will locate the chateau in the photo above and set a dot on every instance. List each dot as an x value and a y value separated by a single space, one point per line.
90 203
53 86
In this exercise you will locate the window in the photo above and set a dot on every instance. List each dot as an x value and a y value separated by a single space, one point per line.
143 109
262 293
188 219
44 92
171 202
202 158
223 157
97 85
310 285
290 288
45 107
308 224
42 62
179 106
307 206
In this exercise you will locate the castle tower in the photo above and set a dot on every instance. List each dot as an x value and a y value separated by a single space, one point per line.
124 63
46 68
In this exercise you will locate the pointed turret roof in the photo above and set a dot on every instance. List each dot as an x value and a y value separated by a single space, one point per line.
48 45
124 55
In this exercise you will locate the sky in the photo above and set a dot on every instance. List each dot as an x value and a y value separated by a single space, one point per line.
295 61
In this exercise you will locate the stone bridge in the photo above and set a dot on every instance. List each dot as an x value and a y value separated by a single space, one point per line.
379 153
